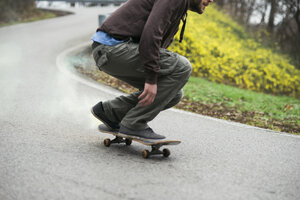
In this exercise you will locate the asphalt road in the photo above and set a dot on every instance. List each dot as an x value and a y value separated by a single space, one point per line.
50 147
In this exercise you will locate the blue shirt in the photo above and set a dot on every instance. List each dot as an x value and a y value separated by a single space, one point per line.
104 38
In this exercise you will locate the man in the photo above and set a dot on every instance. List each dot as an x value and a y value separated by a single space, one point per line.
131 46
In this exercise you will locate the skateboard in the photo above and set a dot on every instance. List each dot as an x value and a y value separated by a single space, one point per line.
125 139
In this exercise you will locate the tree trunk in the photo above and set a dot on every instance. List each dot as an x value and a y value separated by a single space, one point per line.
272 15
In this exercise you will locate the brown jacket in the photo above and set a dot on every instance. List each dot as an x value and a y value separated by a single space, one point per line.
152 23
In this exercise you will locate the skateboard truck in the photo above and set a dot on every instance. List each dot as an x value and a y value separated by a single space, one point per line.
155 151
118 140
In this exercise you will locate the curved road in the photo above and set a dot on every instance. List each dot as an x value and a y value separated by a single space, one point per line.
51 149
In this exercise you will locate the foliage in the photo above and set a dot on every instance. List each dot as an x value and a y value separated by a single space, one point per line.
221 51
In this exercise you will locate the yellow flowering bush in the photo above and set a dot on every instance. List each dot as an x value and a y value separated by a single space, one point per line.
221 51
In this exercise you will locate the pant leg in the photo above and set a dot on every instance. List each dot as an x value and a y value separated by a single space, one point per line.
168 87
175 100
119 62
124 63
119 107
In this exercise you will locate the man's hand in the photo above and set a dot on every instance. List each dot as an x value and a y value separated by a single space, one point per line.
148 95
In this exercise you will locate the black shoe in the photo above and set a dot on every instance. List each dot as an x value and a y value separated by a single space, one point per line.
143 134
99 113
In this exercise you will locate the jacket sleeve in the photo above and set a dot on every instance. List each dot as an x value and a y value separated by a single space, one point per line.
157 23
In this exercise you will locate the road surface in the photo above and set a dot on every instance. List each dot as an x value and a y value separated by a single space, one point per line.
51 149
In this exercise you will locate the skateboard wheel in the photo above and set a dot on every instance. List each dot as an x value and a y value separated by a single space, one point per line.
166 152
145 154
107 142
128 142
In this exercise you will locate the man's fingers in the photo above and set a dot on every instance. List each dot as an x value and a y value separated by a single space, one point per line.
148 95
147 100
142 95
144 99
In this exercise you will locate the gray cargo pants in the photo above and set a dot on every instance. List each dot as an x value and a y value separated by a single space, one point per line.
123 62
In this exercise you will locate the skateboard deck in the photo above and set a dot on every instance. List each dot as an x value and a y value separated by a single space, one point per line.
155 144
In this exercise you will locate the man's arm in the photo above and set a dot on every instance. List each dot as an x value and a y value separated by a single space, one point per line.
158 21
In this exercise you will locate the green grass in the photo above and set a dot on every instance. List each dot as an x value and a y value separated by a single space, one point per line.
277 107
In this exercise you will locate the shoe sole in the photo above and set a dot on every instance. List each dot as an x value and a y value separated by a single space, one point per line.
124 135
138 137
108 126
131 137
